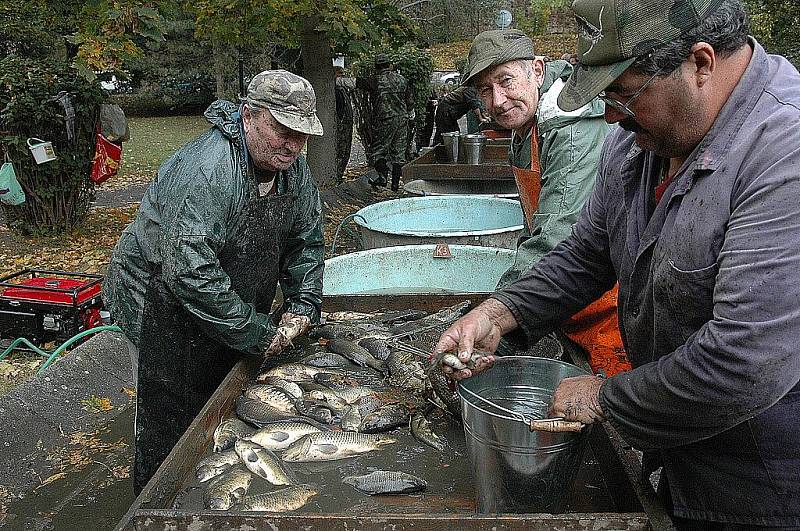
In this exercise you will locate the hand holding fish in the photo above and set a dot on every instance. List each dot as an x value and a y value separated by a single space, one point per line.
290 327
480 329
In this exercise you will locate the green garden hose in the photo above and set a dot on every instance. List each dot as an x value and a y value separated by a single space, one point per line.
51 356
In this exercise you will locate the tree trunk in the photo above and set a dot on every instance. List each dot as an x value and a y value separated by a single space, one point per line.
318 69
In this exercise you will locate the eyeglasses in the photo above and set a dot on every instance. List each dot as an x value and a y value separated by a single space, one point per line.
625 108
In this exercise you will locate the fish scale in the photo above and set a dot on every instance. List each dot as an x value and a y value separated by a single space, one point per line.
386 482
288 499
263 463
280 435
328 446
224 491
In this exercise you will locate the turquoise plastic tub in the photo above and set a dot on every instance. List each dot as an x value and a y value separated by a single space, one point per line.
413 270
455 219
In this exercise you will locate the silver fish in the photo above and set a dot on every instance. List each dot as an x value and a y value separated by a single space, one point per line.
215 464
336 403
351 419
271 396
329 446
288 499
280 435
379 348
228 432
385 418
355 353
257 412
421 430
226 490
263 463
326 359
288 387
386 482
295 372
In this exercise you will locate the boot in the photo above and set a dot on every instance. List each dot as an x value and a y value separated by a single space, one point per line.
383 172
397 172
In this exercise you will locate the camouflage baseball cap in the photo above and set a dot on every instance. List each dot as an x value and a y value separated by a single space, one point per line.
613 33
289 98
495 47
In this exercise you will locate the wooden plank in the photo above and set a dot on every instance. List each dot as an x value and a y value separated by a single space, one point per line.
434 166
170 520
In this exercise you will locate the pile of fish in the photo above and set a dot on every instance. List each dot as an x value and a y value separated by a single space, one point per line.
365 377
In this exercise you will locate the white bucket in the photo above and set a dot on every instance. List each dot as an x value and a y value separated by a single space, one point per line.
42 151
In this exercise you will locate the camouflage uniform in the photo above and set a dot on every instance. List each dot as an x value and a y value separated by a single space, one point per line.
391 105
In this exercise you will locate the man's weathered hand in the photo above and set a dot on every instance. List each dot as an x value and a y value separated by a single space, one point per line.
481 329
290 327
578 399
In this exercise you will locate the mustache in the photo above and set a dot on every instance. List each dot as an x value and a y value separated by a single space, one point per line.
630 125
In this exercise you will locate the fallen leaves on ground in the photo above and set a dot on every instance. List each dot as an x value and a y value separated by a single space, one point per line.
82 451
96 404
86 250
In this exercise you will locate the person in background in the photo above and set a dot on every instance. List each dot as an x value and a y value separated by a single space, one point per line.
393 104
191 282
554 155
452 106
695 214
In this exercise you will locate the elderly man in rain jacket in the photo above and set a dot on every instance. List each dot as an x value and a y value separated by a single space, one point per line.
231 215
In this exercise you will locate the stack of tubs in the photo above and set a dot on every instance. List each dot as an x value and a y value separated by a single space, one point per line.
400 239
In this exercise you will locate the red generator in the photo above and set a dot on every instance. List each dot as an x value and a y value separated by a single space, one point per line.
43 305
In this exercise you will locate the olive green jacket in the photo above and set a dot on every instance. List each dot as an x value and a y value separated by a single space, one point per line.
569 150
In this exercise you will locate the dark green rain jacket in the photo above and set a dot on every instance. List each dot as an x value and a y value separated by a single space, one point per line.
188 217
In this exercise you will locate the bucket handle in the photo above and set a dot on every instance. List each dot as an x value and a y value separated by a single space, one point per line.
341 224
555 424
34 138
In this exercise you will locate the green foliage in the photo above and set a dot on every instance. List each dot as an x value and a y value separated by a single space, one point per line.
534 21
58 192
776 25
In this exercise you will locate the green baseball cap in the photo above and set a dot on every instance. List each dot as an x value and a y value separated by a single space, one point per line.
289 98
613 33
495 47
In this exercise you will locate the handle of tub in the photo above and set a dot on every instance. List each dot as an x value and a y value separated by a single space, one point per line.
339 227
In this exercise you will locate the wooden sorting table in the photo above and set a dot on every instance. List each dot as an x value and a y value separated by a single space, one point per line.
433 165
630 501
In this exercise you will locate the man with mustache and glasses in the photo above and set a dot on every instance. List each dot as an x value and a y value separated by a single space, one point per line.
554 156
192 280
695 213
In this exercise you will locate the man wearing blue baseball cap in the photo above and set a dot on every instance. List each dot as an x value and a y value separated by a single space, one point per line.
695 214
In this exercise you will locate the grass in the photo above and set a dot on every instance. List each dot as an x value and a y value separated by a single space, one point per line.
152 141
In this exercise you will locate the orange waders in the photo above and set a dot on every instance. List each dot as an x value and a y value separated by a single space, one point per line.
595 328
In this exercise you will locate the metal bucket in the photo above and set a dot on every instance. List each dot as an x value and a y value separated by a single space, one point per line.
465 220
413 269
517 470
451 143
472 146
489 188
41 150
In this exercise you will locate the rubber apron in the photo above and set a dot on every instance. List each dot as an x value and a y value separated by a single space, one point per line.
595 328
180 366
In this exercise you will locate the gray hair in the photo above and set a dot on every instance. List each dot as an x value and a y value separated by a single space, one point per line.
725 30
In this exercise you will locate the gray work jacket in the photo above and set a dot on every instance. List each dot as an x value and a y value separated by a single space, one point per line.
709 305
